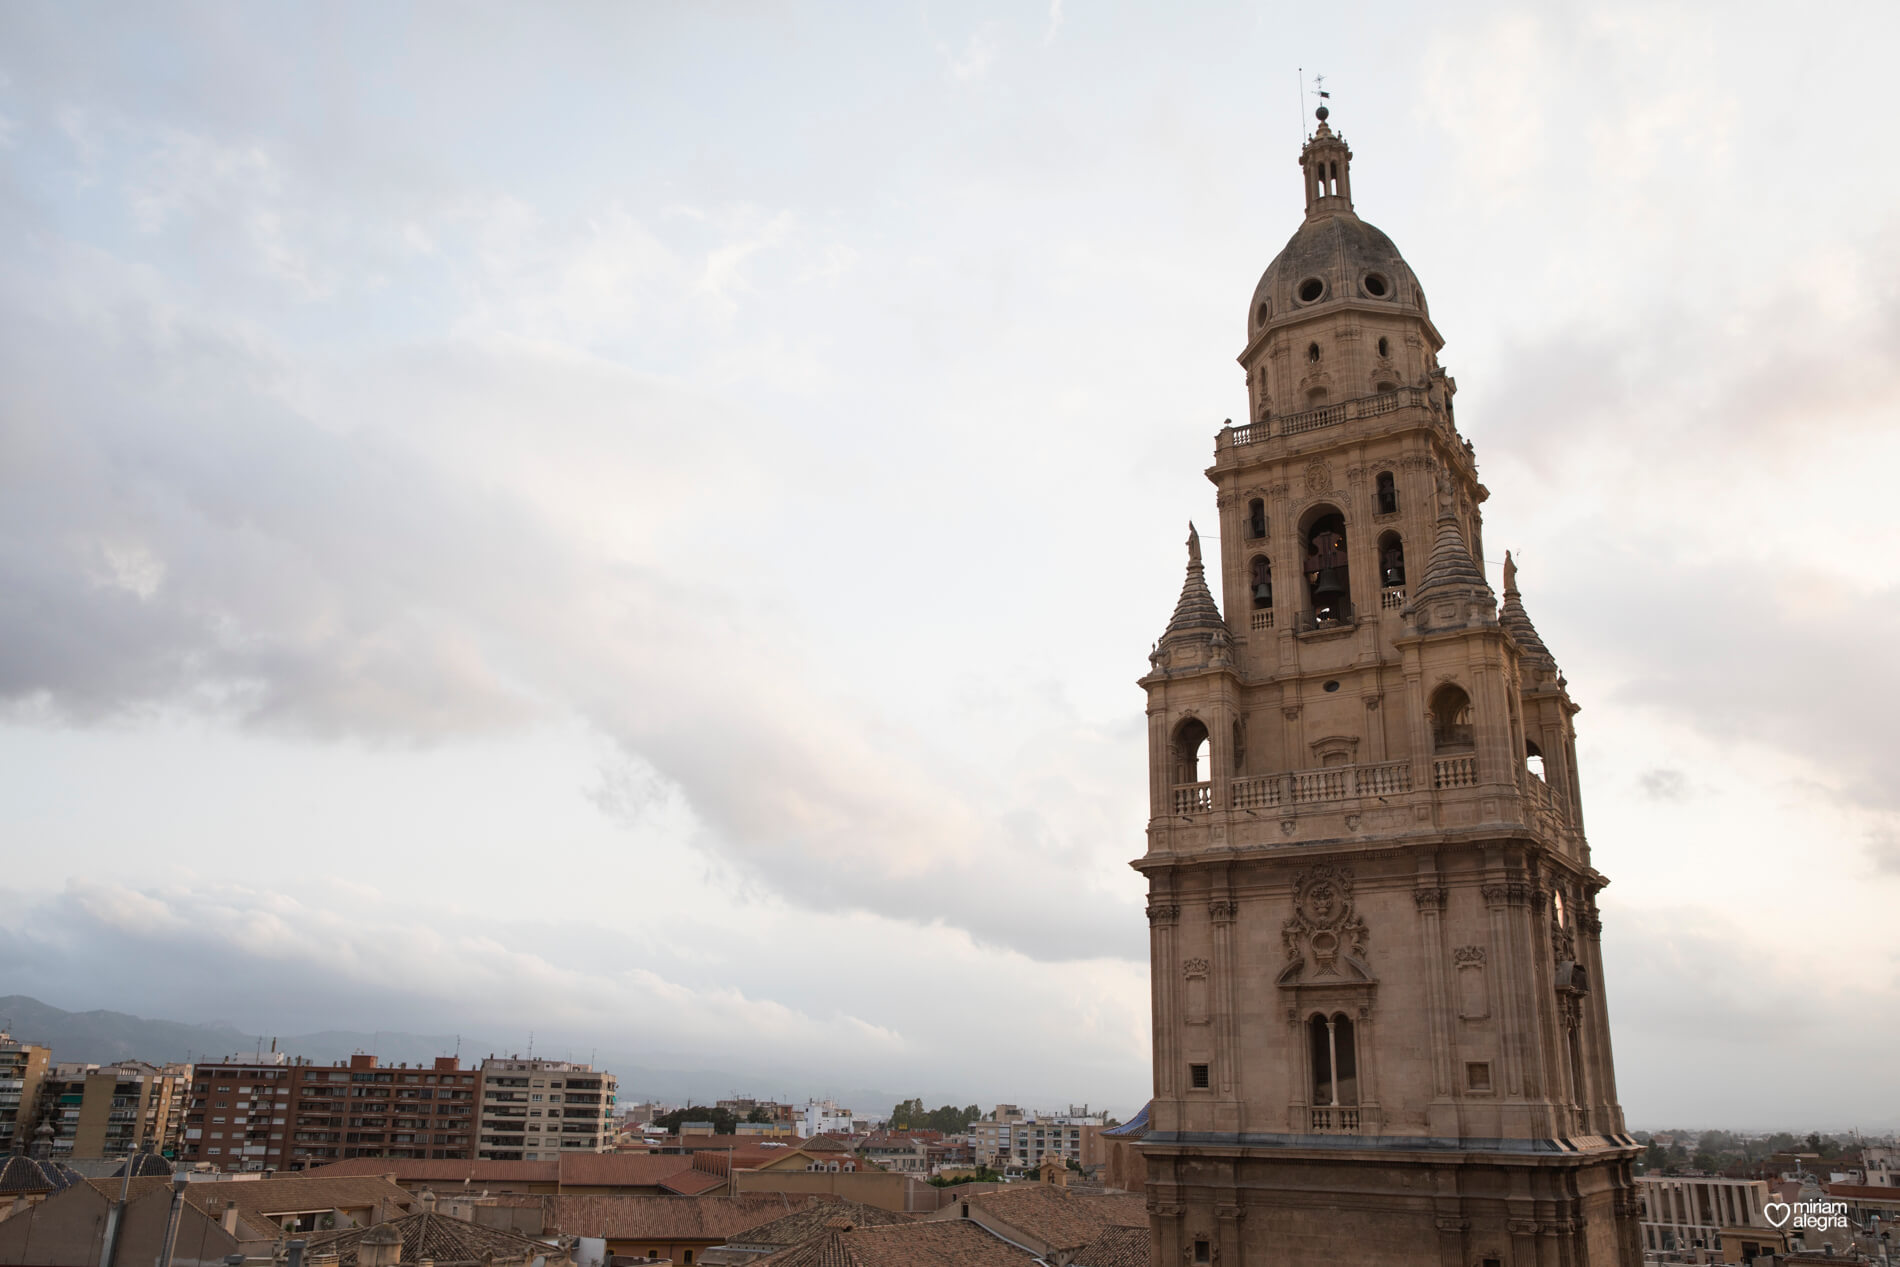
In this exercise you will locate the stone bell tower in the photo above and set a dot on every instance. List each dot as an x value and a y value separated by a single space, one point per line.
1379 1023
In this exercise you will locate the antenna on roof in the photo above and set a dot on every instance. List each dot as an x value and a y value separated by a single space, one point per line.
1299 73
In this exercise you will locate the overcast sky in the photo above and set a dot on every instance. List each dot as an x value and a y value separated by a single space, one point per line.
641 523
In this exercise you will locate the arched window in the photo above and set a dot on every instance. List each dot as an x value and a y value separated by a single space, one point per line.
1190 751
1335 1061
1533 758
1257 518
1328 584
1391 561
1385 349
1451 718
1386 493
1312 353
1262 581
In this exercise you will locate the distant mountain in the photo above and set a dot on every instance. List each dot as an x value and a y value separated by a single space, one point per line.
101 1037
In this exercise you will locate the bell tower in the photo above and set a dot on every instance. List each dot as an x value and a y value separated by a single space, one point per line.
1379 1023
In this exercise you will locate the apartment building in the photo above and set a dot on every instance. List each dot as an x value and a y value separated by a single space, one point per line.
1688 1214
534 1110
22 1067
1028 1140
100 1111
266 1111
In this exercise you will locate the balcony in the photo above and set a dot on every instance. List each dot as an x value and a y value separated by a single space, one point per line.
1193 798
1454 772
1334 1121
1325 416
1392 598
1314 787
1262 619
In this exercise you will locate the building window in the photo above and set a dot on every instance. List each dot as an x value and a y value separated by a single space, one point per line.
1203 1251
1335 1061
1257 518
1197 1077
1478 1076
1386 492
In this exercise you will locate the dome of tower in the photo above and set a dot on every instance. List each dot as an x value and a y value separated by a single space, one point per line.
1332 257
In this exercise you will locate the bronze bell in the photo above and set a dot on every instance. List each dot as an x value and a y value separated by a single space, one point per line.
1263 594
1330 584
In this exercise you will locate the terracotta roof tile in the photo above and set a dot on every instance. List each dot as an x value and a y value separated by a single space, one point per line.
1117 1247
445 1172
435 1236
263 1203
666 1218
952 1244
621 1170
1060 1219
801 1225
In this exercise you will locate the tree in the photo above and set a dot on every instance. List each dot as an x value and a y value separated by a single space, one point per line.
724 1123
759 1113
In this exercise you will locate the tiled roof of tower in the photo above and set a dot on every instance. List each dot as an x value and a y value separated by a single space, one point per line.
1197 609
1117 1247
428 1235
20 1175
1451 565
1061 1219
144 1164
1134 1128
947 1244
1517 621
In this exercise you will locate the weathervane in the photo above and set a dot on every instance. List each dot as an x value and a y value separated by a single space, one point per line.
1318 90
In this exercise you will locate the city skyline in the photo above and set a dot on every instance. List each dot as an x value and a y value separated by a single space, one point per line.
738 463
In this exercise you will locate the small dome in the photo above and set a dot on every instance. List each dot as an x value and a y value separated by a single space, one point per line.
1333 256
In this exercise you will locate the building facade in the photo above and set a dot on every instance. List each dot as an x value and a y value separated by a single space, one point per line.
100 1111
1686 1215
22 1067
533 1110
1379 1021
1028 1141
267 1111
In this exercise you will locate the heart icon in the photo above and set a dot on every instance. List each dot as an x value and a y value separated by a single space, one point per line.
1777 1212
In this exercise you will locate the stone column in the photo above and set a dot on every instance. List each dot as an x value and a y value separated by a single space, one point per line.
1430 900
1220 914
1497 902
1233 1249
1162 915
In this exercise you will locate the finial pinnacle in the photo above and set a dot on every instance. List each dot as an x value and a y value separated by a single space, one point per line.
1194 545
1321 114
1510 574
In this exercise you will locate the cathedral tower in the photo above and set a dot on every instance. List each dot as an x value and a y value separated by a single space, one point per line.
1379 1024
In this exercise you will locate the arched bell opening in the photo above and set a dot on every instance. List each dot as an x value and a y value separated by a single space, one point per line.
1534 758
1385 492
1257 519
1260 582
1392 561
1451 718
1328 582
1192 757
